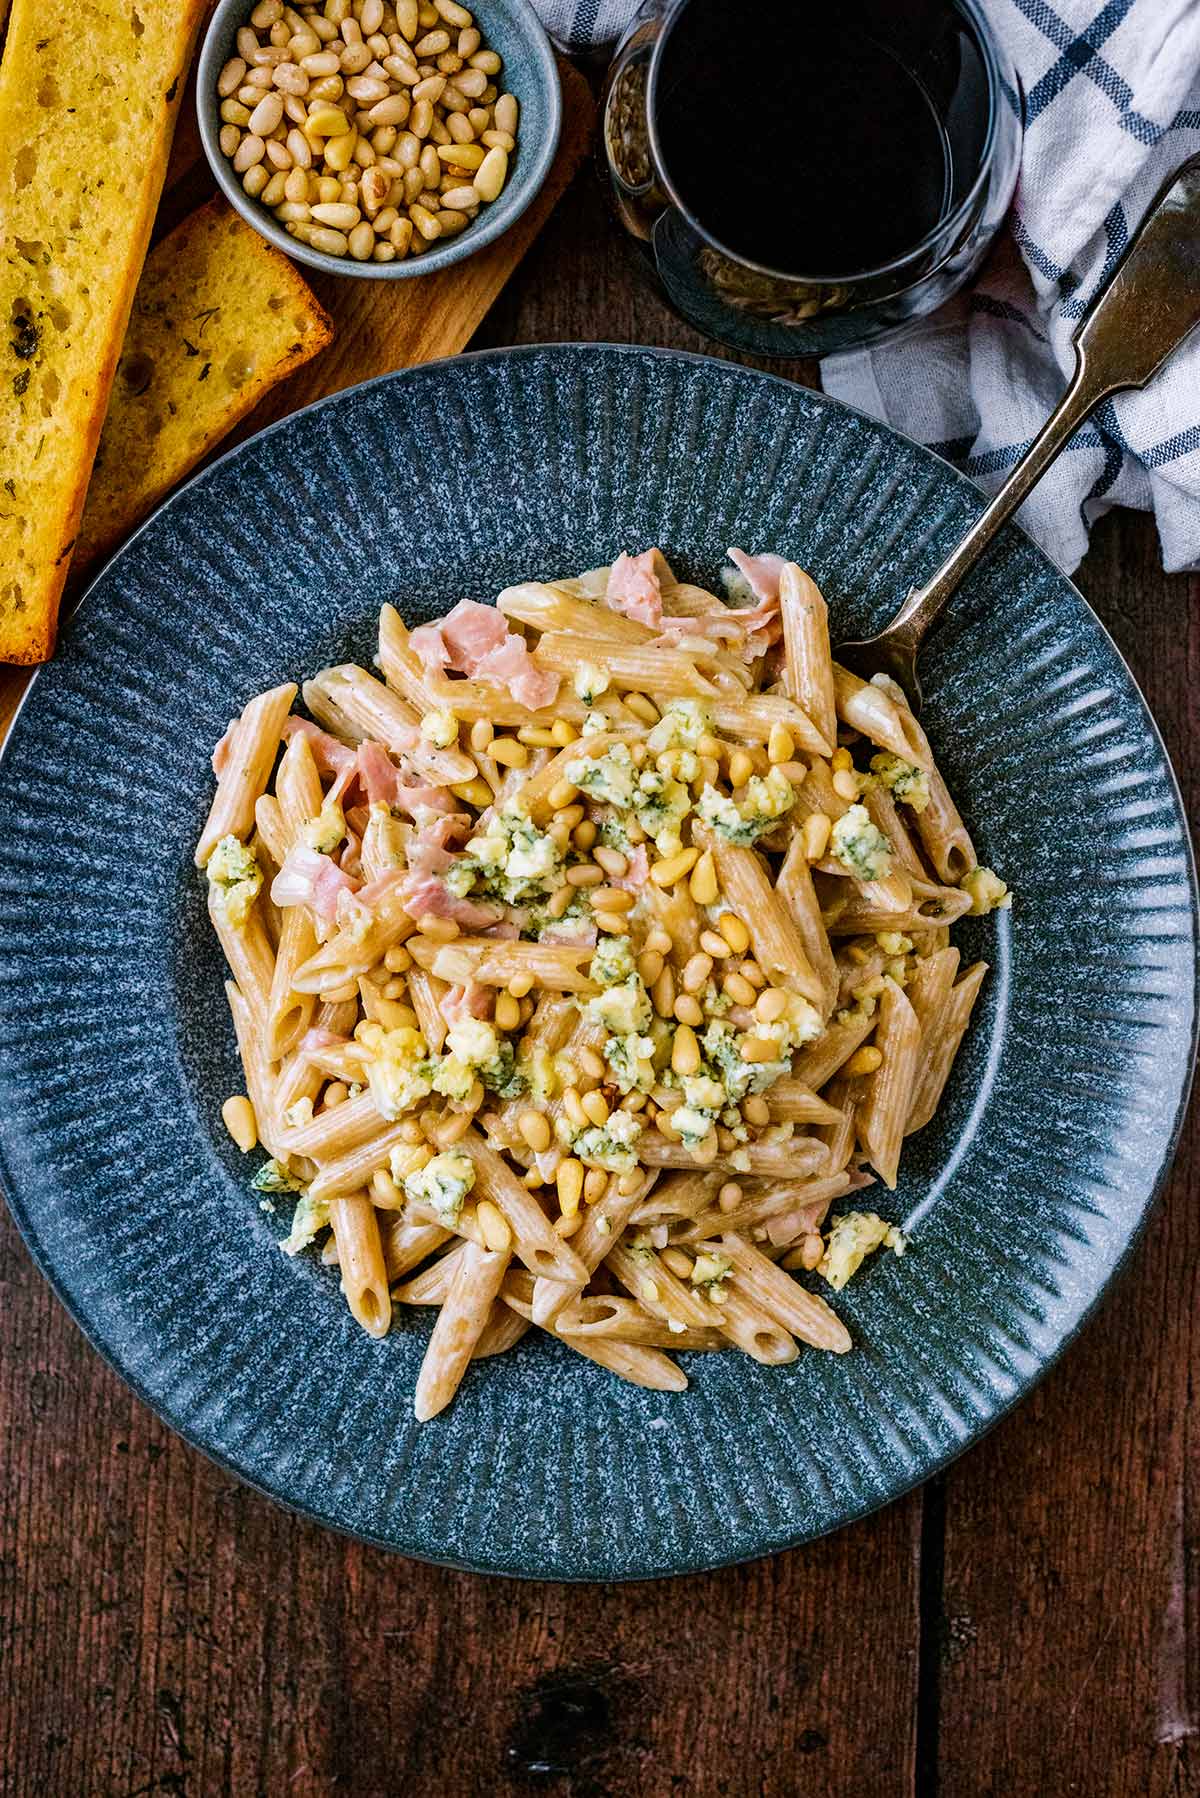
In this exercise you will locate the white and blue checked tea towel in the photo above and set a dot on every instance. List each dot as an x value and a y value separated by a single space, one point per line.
1111 98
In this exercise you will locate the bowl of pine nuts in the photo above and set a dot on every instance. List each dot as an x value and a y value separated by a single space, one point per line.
378 138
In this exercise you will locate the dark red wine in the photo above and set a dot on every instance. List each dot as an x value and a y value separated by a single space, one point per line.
820 145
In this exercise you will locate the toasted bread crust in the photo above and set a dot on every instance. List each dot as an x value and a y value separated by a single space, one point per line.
219 317
84 135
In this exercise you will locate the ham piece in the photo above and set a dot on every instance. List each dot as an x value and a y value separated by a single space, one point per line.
424 895
475 640
635 588
308 878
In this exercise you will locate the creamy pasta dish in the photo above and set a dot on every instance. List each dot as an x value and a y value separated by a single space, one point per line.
589 960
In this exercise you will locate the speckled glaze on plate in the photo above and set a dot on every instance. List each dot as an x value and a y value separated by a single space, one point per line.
448 481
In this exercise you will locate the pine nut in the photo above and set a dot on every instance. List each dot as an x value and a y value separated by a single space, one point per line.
462 156
587 874
342 218
845 784
327 121
758 1048
615 865
595 1107
506 750
506 113
612 899
491 174
460 199
229 139
507 1012
438 930
863 1061
561 794
739 989
230 78
536 1130
591 1063
814 835
667 872
612 923
433 43
663 994
780 747
685 1051
696 972
702 884
713 944
649 966
425 222
741 767
687 1010
771 1004
493 1227
569 1181
237 1113
734 931
250 151
755 1110
729 1197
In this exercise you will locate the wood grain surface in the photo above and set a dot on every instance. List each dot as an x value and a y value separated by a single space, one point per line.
1028 1624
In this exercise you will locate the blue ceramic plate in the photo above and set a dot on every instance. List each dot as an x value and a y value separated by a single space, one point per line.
115 1048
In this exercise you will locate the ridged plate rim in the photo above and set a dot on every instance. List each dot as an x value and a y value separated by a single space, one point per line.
751 1546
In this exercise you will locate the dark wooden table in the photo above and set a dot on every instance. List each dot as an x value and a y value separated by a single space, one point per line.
1027 1624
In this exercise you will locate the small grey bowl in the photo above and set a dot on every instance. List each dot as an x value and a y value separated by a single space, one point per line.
510 27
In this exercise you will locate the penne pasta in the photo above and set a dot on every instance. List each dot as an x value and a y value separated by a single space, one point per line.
460 1323
888 1091
778 946
946 1034
244 758
577 968
808 661
872 710
801 1313
360 1257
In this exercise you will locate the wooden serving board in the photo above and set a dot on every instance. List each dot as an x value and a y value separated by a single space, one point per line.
384 325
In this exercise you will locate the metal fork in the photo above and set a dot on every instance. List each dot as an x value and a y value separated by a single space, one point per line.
1145 309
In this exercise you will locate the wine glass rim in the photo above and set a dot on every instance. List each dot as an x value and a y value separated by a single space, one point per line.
945 227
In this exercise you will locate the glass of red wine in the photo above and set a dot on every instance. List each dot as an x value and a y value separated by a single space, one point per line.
804 178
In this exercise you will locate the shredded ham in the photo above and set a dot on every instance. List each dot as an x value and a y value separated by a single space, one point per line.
638 872
762 574
512 666
425 895
635 588
469 1001
475 640
330 755
318 1038
415 800
575 936
220 755
308 878
460 639
426 848
377 773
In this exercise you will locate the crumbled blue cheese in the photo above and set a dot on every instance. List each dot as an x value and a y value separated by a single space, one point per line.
691 1125
298 1115
594 724
852 1237
397 1067
454 1079
324 832
512 861
612 1146
235 877
988 892
538 1074
630 1061
710 1271
621 1010
442 1185
907 784
310 1216
661 803
440 728
590 682
272 1176
683 723
612 963
610 778
501 1075
765 799
860 846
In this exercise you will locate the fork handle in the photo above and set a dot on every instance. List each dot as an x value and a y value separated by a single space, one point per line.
1145 309
924 604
